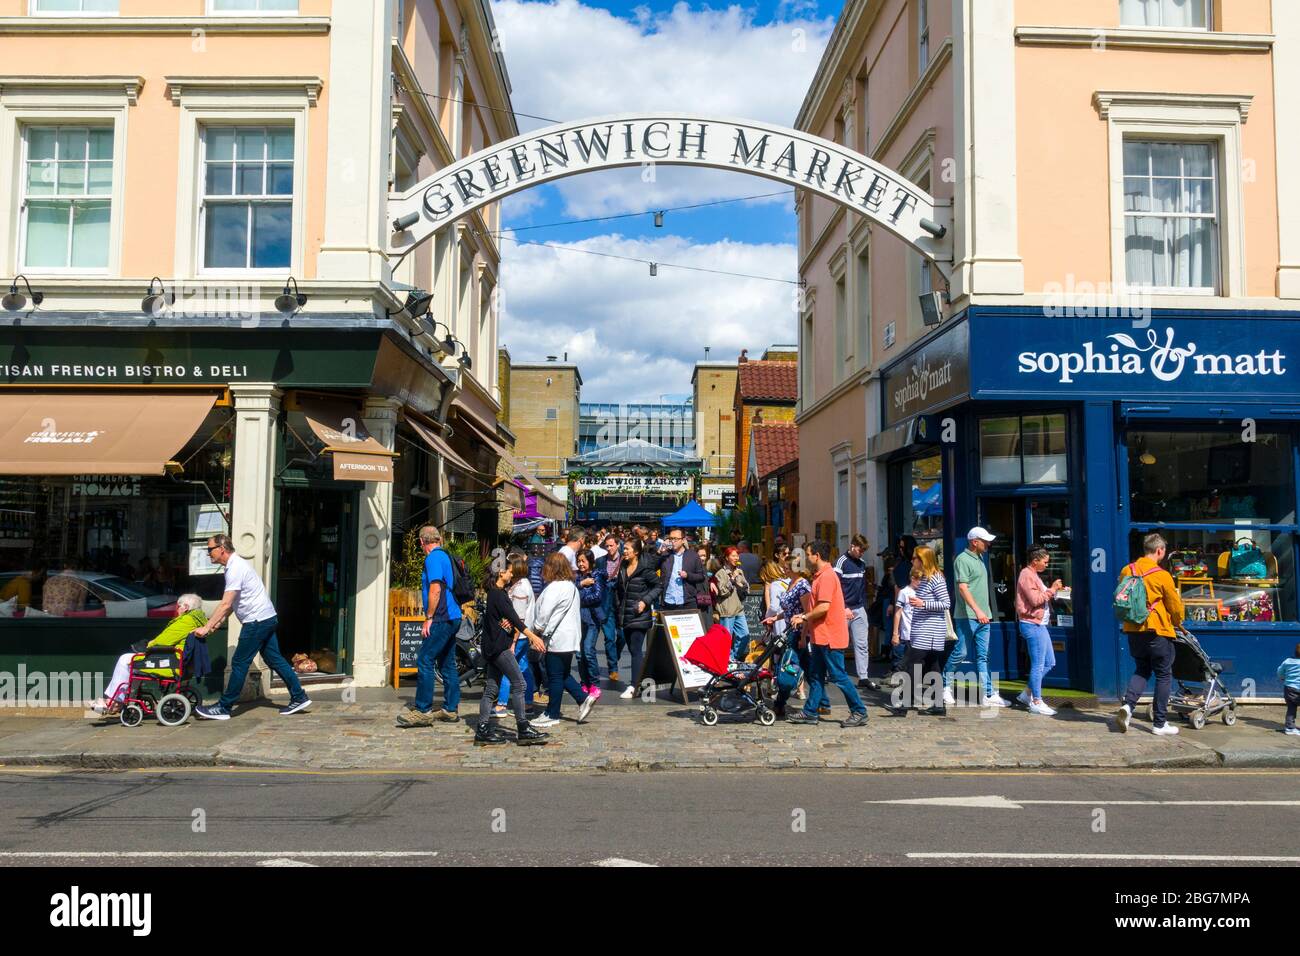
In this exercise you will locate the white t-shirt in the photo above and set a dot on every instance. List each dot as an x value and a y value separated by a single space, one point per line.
905 613
598 552
572 555
522 597
253 603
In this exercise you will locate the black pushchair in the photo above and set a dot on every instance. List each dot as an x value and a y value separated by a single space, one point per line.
1201 693
733 688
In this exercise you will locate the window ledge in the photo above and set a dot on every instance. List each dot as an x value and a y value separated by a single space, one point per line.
305 88
126 87
1142 38
1105 101
46 26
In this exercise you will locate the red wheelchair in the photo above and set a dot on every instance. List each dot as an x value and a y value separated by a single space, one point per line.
158 687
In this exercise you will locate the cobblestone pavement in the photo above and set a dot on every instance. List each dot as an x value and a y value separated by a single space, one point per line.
633 735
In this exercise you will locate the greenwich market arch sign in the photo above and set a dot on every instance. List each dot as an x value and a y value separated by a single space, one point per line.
611 142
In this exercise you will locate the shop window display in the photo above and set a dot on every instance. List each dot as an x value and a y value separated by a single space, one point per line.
922 486
87 547
1219 499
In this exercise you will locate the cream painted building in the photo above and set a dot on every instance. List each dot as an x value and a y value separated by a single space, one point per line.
544 415
1125 292
713 396
287 382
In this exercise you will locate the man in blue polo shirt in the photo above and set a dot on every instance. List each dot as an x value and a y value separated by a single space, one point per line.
438 650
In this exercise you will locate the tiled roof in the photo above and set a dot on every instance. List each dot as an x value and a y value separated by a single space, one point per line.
776 444
769 381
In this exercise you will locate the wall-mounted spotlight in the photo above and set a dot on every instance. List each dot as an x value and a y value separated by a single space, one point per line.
932 307
15 301
155 304
417 302
287 303
406 222
933 228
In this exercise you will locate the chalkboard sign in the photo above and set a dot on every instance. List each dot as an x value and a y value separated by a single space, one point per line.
754 613
408 635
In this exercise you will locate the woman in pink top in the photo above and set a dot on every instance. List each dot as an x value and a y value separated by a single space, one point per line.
1033 602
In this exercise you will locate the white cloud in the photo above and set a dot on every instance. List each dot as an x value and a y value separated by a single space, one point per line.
571 61
634 336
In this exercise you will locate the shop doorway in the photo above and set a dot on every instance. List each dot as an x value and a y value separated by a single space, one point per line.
315 576
1021 523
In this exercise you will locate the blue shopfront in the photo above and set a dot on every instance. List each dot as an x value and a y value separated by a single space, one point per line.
1084 434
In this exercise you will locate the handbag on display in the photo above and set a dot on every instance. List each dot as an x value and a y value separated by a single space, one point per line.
1188 564
1246 560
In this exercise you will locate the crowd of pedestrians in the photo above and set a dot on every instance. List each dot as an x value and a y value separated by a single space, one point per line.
598 593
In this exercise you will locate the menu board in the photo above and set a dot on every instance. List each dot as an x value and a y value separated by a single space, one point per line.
408 635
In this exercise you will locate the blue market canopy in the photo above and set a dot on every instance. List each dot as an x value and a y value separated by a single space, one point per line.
690 515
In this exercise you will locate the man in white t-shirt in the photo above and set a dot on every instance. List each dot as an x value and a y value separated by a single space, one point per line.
246 597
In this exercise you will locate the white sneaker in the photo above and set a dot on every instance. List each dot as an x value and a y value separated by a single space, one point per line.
1122 718
541 720
1292 731
1040 707
628 693
995 700
1165 730
586 706
1024 700
949 698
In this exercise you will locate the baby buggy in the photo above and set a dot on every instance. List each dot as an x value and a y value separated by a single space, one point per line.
741 683
1201 693
159 687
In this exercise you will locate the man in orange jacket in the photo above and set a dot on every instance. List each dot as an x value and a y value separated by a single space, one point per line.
1152 642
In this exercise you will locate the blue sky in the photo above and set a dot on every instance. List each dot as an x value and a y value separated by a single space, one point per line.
636 337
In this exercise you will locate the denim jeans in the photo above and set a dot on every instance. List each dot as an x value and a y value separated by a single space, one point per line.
827 664
860 634
258 637
613 633
1292 697
438 656
559 678
1041 657
521 657
588 666
738 625
969 629
1151 653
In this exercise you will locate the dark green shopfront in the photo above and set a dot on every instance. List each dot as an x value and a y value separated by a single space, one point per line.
102 527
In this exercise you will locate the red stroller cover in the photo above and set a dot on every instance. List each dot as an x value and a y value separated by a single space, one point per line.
712 652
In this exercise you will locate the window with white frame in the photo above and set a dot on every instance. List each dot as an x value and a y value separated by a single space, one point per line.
1174 14
67 205
922 35
246 219
1170 215
862 308
843 349
68 8
252 6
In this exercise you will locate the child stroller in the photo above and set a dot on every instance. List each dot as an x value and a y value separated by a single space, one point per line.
743 683
1201 693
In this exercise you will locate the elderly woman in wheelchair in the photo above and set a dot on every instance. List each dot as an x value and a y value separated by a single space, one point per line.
153 679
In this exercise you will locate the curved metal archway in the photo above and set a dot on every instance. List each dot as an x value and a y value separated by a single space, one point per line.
636 139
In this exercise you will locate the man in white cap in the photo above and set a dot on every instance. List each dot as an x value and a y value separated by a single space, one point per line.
971 616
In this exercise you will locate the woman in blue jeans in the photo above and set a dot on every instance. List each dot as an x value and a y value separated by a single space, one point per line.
591 586
1033 604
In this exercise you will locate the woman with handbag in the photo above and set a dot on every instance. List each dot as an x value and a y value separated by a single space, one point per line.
501 627
929 647
796 599
591 588
638 589
557 617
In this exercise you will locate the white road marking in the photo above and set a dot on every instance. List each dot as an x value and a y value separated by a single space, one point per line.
284 861
619 861
1004 803
1119 857
210 854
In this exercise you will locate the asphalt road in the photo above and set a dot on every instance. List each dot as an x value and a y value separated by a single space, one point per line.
1200 818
